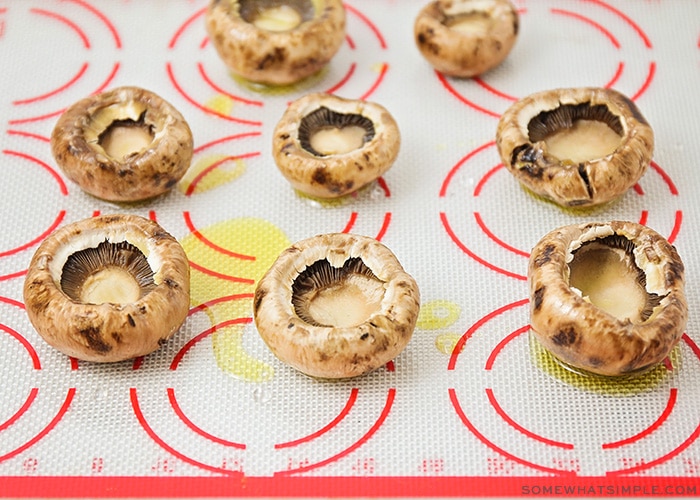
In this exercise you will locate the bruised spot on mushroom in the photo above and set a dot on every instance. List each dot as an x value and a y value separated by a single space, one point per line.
565 337
93 336
537 297
544 256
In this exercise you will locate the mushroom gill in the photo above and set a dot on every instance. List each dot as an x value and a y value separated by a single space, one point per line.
324 295
326 132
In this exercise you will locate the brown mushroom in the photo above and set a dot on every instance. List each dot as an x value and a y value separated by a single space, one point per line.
123 145
108 288
327 146
336 306
578 147
465 38
276 42
607 298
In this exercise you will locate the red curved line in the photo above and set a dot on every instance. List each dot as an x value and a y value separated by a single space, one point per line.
493 90
22 133
45 430
25 406
39 238
520 428
463 417
7 277
350 41
222 276
497 240
102 18
648 465
385 226
207 145
219 90
204 109
458 165
369 23
647 82
195 428
643 217
616 76
201 175
463 339
463 99
693 346
197 234
25 343
46 166
638 189
497 350
382 184
108 80
665 177
206 305
343 413
485 178
12 302
591 22
184 26
377 82
351 223
343 80
63 87
64 20
625 18
676 226
471 254
32 119
662 418
151 433
382 417
178 357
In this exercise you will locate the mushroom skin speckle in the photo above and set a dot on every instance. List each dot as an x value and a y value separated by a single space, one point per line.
521 141
276 57
585 336
333 352
77 145
334 175
108 332
490 29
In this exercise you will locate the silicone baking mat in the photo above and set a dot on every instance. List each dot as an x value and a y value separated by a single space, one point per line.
472 406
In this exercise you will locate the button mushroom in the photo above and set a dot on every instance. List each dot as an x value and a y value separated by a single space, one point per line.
276 42
108 288
578 147
327 146
123 145
607 298
465 38
336 306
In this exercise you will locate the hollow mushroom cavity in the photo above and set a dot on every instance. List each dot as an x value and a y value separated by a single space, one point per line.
607 298
276 42
578 147
124 145
327 146
108 288
465 38
336 306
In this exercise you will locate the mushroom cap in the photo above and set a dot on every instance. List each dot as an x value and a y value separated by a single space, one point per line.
334 175
471 53
108 332
585 336
332 351
570 184
139 176
276 57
